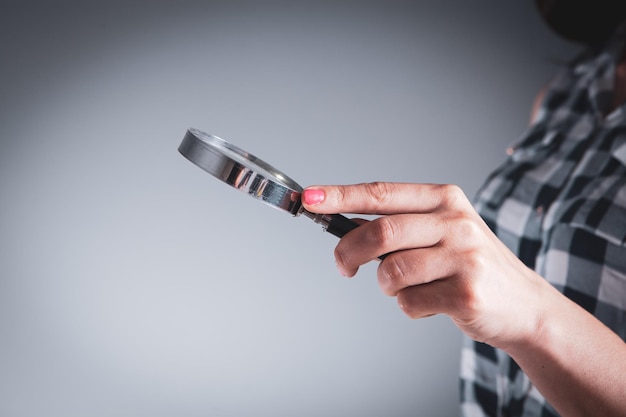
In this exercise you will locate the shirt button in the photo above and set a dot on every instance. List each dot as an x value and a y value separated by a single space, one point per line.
539 210
510 151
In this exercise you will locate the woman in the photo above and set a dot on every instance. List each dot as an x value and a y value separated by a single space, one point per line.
534 272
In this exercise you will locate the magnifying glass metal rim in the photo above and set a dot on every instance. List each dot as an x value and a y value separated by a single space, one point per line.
255 177
242 170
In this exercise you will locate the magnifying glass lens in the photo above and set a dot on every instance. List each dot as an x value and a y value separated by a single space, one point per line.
255 177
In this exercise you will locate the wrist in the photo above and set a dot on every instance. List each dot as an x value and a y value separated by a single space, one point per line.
575 361
541 307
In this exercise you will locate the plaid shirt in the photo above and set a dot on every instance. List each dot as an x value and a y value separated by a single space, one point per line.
559 203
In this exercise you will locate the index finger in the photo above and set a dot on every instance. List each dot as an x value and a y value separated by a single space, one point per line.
380 198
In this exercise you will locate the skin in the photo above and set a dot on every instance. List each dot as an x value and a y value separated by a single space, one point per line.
443 259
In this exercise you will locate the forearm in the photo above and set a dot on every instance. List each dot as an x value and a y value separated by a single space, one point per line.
577 363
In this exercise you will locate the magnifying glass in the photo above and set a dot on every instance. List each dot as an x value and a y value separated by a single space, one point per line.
255 177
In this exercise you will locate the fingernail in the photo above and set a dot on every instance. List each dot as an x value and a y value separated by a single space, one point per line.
313 196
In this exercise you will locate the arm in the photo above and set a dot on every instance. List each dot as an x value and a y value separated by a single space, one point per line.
444 259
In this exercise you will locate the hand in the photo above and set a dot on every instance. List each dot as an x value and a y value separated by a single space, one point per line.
442 257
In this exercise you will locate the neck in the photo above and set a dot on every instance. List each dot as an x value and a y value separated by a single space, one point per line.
619 92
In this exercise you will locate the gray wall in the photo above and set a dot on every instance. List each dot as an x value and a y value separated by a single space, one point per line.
134 284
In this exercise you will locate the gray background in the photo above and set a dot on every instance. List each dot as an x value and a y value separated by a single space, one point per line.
133 284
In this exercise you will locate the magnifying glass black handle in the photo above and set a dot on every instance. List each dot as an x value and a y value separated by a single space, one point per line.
340 225
335 224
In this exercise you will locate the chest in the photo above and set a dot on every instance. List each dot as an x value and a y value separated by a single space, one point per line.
574 175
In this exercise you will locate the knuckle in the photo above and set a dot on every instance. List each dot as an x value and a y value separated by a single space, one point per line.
467 293
463 230
475 263
468 301
342 256
341 195
392 275
406 305
379 192
466 226
383 232
452 195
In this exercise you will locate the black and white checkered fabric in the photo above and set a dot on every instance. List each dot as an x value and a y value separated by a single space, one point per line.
559 203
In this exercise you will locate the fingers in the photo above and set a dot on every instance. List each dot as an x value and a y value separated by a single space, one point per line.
433 238
437 297
409 268
384 235
458 232
382 198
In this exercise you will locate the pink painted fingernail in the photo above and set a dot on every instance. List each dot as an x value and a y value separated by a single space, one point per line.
313 196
